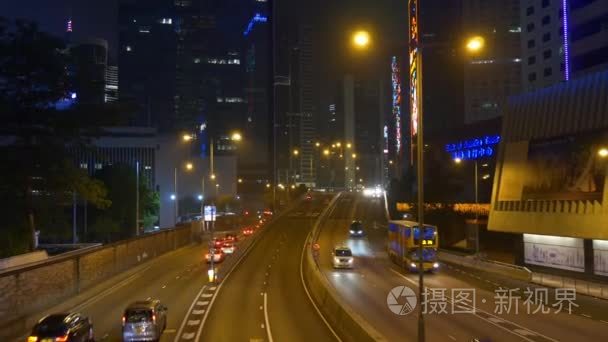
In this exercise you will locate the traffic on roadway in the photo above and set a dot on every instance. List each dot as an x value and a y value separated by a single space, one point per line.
257 291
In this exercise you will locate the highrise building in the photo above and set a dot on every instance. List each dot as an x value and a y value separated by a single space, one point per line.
548 55
492 74
89 58
111 87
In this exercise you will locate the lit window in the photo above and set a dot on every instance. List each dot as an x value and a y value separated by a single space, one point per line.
98 166
144 29
128 48
219 99
166 21
84 166
197 60
515 29
147 167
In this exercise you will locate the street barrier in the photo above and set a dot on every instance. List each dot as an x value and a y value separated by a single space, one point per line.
346 323
35 287
499 268
582 286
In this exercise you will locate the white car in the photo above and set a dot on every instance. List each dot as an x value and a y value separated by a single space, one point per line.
228 248
342 257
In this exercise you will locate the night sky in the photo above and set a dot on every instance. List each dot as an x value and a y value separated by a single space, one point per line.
91 18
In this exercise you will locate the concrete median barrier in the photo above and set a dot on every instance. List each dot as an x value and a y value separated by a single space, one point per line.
346 323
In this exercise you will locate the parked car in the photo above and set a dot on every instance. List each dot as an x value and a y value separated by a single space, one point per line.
62 327
144 321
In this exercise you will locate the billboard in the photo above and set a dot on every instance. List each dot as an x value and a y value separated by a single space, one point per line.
554 251
600 257
566 168
413 65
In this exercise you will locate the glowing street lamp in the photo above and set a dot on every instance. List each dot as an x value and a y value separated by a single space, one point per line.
296 152
187 137
236 136
318 144
457 160
268 185
475 44
212 176
603 152
326 152
361 39
189 166
240 180
354 155
348 145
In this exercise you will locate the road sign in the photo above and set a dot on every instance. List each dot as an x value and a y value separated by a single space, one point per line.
210 212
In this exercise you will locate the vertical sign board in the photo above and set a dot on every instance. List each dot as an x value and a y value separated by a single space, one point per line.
396 82
209 213
414 92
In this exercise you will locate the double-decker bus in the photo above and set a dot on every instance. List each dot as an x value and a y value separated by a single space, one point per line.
403 241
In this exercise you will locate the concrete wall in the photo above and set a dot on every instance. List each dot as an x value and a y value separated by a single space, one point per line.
38 286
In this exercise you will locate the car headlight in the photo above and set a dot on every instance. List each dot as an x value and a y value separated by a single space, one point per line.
352 231
413 265
336 260
436 265
360 232
350 261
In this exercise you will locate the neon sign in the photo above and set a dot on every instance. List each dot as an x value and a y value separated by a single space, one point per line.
476 148
396 80
414 59
257 18
566 42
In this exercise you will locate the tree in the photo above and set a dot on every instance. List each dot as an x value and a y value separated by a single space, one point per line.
37 164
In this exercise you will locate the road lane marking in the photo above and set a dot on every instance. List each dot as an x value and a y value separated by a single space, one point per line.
266 320
492 319
585 315
601 320
189 336
308 238
206 295
452 337
169 331
201 303
198 312
212 288
194 322
164 286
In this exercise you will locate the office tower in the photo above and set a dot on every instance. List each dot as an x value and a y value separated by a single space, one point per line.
89 58
548 55
492 74
111 87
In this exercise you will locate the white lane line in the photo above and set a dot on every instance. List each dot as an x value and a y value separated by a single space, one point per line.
164 286
487 281
202 303
212 288
306 288
452 337
188 336
169 331
266 318
585 315
194 322
601 320
198 312
206 295
492 319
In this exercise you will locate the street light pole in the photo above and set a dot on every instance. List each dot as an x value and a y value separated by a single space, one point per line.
476 209
137 198
420 180
176 196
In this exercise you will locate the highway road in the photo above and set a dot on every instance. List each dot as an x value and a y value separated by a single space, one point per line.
263 298
176 278
366 287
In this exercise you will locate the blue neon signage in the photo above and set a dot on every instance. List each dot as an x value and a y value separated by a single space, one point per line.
257 18
475 148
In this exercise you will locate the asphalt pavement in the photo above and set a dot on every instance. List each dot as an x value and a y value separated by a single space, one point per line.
366 289
263 298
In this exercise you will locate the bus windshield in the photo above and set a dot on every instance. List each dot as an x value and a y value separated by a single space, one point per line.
428 254
429 236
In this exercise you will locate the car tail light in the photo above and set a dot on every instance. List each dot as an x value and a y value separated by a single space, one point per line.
63 338
124 320
154 318
32 339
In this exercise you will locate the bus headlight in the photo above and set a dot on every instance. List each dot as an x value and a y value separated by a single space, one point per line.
413 265
436 265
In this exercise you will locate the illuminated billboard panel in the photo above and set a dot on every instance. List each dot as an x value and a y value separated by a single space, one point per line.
396 81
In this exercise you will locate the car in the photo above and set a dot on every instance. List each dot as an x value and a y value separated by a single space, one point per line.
144 321
218 242
247 231
218 255
231 237
356 229
228 247
308 197
62 327
342 257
